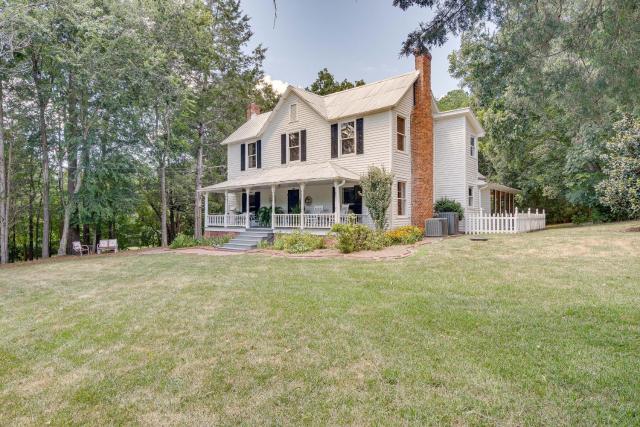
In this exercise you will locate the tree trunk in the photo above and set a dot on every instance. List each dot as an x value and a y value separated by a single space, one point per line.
42 105
4 200
197 214
163 204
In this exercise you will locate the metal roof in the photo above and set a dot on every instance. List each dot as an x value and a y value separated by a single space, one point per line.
294 174
368 98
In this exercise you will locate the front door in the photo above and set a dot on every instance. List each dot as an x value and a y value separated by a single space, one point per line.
293 200
353 197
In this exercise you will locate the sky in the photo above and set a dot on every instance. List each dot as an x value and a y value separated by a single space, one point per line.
354 39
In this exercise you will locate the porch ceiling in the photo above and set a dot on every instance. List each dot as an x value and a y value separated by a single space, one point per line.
293 174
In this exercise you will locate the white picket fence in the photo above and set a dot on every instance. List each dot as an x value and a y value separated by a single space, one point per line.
518 222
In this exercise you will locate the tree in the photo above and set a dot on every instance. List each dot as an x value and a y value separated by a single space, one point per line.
326 83
620 190
456 98
376 192
266 96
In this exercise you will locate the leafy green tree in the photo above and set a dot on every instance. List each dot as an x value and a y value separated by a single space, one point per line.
620 190
456 98
326 83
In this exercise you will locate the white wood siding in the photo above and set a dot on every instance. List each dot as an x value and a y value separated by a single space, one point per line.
401 160
471 168
449 158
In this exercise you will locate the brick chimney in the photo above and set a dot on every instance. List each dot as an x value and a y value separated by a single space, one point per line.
422 144
252 110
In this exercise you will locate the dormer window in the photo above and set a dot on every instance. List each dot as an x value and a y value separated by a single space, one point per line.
348 137
472 146
252 155
293 113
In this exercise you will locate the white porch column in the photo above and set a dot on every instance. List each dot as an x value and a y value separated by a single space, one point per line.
273 207
302 206
247 220
336 202
226 207
206 209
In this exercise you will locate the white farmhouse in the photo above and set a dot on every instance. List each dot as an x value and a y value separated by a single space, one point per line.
305 158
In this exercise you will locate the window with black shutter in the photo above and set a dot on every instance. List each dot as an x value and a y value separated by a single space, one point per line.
360 136
259 155
242 157
303 145
334 140
283 148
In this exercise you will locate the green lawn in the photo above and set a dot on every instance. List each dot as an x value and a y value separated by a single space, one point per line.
536 329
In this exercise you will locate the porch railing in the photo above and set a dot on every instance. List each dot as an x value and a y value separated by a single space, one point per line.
286 220
320 221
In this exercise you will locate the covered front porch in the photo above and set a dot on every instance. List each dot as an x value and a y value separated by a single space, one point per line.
301 197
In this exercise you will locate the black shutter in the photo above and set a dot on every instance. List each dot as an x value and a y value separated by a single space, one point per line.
359 136
283 148
242 157
334 140
259 153
244 201
303 145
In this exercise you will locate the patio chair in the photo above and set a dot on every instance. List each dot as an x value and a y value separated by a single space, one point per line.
80 249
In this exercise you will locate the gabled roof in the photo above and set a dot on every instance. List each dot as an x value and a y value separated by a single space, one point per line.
249 129
376 96
468 113
297 173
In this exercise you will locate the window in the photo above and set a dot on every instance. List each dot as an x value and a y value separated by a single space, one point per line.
402 198
348 137
252 154
293 113
470 197
472 147
400 133
294 146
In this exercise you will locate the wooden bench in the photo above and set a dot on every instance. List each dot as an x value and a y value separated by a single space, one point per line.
107 245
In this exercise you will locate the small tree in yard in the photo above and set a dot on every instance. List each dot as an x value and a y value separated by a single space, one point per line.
376 190
620 190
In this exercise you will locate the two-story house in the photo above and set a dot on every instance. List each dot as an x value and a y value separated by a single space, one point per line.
305 158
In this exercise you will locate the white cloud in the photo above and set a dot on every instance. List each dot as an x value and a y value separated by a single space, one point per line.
278 85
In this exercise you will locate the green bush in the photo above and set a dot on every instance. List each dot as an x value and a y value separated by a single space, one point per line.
405 235
449 205
378 240
187 241
356 237
298 242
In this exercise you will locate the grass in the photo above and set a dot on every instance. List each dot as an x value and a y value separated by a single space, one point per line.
535 329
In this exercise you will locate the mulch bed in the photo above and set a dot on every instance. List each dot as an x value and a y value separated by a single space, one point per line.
388 253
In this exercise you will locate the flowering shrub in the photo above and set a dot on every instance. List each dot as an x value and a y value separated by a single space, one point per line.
187 241
298 242
352 237
405 235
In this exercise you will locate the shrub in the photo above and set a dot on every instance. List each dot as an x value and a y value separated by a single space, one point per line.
187 241
298 242
405 235
351 237
376 190
449 205
378 240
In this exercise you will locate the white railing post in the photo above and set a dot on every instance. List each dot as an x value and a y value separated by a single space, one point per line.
206 209
302 206
226 207
247 218
273 207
